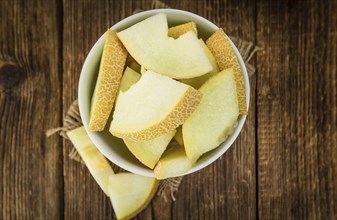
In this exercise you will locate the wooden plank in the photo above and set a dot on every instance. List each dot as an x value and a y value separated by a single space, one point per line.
297 127
84 22
227 188
30 163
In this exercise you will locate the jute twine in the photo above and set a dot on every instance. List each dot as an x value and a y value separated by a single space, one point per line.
73 120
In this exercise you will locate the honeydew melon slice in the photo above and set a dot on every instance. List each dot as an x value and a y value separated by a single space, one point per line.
135 66
109 77
97 164
132 63
198 81
179 30
178 137
130 193
142 69
224 54
215 117
149 152
129 78
174 162
149 44
152 107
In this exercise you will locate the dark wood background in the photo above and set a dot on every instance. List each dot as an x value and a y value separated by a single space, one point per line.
283 165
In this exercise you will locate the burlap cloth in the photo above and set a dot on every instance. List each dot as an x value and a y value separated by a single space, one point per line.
72 119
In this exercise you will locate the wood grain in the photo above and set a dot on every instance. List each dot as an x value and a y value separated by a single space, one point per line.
297 126
283 165
31 181
234 186
83 198
227 188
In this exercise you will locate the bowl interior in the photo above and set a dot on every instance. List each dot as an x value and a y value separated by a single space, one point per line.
114 148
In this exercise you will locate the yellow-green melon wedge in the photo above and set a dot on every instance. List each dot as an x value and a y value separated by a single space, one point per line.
174 162
149 152
97 164
224 54
198 81
142 69
132 63
152 107
135 66
179 30
130 193
178 137
109 77
148 42
129 78
215 117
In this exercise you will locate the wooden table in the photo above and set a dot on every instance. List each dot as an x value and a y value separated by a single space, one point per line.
283 165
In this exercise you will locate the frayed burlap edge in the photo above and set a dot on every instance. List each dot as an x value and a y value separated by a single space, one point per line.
169 186
71 121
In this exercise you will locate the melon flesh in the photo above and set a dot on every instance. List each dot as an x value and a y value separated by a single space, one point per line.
135 66
97 164
130 193
142 69
129 78
173 163
198 81
215 117
132 63
225 56
149 44
149 152
178 137
152 107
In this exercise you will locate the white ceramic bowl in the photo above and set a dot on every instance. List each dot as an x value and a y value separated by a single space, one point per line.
114 148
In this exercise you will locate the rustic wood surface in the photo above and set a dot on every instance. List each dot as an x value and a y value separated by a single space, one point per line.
282 166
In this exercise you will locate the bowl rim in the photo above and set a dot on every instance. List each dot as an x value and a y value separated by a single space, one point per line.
132 168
